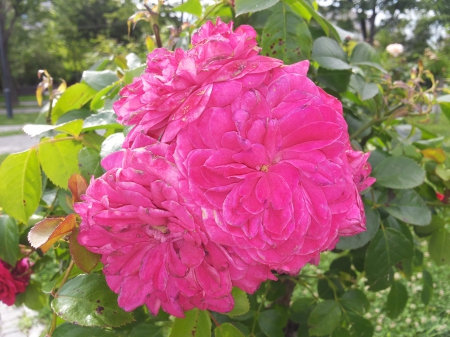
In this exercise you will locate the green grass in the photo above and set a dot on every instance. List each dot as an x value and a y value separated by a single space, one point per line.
11 133
18 119
23 98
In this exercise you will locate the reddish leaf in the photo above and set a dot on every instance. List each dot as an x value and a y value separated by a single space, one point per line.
78 186
84 259
46 232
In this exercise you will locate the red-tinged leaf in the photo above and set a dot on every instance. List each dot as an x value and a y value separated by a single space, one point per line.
84 259
78 186
46 232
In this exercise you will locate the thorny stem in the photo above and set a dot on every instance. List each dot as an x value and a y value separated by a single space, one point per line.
366 126
157 35
263 299
53 140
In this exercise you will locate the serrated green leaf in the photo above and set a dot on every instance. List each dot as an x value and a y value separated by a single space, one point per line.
286 36
408 206
20 184
87 300
89 163
359 240
197 323
83 258
364 52
361 327
329 54
396 301
72 330
399 173
73 98
336 80
439 247
191 6
227 330
72 128
101 120
369 91
355 300
271 323
251 6
241 303
98 101
112 144
130 74
59 158
340 332
435 224
99 79
300 310
9 240
148 330
386 249
33 297
324 318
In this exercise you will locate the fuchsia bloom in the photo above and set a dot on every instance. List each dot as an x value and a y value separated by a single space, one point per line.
177 87
152 241
236 165
13 281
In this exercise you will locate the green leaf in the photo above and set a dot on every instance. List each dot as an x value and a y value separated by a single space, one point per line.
387 248
241 303
227 330
72 330
427 288
359 240
396 301
355 300
87 300
364 52
329 54
9 240
435 224
112 144
407 206
300 310
361 327
73 98
59 158
369 91
439 247
33 297
399 173
197 323
286 36
251 6
340 332
101 120
148 330
191 6
336 80
324 318
131 74
73 128
271 323
89 163
99 79
98 101
20 184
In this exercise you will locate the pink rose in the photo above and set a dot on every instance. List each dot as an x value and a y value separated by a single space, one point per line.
152 240
274 165
178 86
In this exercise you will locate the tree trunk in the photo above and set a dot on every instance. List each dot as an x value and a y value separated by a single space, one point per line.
372 26
14 93
362 22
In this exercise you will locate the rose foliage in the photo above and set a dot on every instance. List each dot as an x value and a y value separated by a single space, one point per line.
236 166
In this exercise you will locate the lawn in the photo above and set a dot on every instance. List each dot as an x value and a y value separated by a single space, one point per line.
23 98
18 119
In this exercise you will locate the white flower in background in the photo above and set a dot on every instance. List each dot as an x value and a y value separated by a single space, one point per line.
433 318
426 254
395 49
408 320
378 328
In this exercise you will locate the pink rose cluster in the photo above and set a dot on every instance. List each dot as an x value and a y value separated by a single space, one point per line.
13 280
236 166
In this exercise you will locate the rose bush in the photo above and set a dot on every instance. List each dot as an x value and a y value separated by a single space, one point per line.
13 280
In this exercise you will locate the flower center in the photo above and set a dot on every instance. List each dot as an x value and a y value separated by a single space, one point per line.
264 168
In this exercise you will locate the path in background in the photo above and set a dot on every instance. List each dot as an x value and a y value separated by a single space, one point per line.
22 142
11 318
